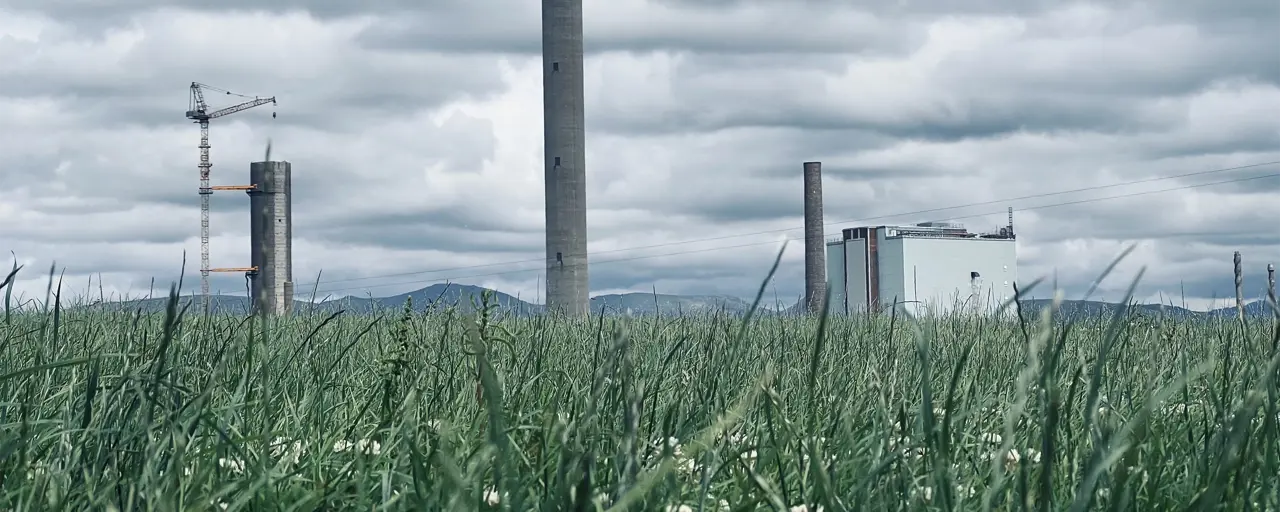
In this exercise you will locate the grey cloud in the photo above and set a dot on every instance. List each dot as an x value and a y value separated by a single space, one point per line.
920 6
321 82
679 274
337 103
704 108
94 12
1258 180
466 231
783 287
1156 216
743 205
1199 11
779 153
137 256
322 181
477 28
1114 84
418 235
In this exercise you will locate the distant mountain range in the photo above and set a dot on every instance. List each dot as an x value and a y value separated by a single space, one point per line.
466 298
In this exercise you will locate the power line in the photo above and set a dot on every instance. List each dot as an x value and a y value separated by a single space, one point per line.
783 230
754 244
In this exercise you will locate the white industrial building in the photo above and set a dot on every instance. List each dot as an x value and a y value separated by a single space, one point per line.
930 268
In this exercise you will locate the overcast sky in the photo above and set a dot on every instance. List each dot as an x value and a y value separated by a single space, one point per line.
414 130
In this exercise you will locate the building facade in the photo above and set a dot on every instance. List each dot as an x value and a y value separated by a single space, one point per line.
927 269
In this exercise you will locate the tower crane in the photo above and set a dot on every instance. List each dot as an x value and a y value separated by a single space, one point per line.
199 112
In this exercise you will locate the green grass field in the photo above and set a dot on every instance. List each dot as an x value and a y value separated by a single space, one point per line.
441 411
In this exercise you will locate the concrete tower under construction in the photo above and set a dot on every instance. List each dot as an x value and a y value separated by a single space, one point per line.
564 133
271 237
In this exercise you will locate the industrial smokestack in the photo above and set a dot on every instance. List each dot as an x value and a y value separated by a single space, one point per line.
271 237
815 250
565 157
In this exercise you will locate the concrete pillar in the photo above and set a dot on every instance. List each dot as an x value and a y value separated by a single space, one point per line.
815 250
565 165
271 237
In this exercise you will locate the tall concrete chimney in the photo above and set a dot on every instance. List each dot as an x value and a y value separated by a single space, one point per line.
565 165
271 237
815 249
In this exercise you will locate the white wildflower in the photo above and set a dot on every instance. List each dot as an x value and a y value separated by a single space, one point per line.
966 491
34 472
233 465
282 448
830 458
369 446
805 508
679 508
366 446
1012 458
491 496
992 438
671 442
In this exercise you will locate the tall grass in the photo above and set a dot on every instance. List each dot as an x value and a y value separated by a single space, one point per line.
118 410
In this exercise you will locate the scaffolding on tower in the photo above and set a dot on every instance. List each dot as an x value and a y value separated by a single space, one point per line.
199 112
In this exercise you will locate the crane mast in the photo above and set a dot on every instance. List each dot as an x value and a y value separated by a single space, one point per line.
198 111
